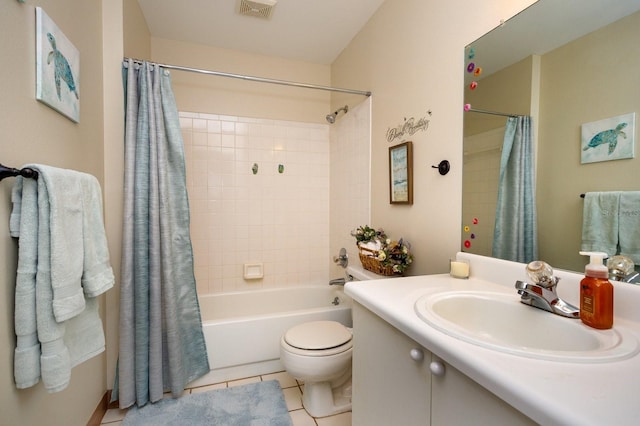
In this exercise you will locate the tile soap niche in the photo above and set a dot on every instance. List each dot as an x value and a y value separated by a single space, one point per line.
253 271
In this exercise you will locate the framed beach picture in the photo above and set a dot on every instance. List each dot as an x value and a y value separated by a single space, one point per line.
608 139
401 174
57 68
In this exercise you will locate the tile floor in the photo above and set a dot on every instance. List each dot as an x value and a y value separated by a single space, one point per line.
291 388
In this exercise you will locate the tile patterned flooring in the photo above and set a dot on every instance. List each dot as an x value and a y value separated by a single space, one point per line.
291 388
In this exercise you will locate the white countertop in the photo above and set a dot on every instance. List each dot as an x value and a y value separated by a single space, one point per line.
549 392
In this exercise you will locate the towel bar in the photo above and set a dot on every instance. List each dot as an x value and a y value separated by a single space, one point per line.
10 172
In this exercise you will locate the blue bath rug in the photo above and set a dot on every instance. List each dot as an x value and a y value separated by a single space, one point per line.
255 404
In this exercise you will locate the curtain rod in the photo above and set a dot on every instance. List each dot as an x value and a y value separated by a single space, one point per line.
257 79
482 111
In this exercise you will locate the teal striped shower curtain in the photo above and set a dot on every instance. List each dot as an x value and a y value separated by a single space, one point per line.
161 340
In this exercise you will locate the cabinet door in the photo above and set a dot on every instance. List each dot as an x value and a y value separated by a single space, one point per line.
458 400
389 386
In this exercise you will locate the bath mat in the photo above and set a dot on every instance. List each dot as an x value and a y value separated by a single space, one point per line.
254 404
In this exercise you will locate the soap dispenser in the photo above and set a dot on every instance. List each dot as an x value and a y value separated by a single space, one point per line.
596 293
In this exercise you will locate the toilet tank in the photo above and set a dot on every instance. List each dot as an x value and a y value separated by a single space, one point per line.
358 273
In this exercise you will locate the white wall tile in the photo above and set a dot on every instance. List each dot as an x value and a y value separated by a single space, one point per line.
280 219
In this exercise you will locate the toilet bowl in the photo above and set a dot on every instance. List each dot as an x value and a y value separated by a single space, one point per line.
319 353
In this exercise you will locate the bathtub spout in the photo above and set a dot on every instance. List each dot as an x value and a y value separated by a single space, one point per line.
337 281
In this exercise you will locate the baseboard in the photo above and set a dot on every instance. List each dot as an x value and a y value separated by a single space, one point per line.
112 404
100 411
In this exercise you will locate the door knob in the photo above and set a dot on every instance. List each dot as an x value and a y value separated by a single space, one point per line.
416 354
437 368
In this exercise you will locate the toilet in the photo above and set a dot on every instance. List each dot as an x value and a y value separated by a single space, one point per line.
319 353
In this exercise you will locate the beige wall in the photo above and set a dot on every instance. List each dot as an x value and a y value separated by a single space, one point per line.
137 40
113 33
223 95
507 91
35 133
603 83
411 56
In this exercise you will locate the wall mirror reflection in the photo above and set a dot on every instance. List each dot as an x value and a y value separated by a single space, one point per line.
563 64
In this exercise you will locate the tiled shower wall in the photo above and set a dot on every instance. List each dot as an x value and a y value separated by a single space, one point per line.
279 219
350 179
480 189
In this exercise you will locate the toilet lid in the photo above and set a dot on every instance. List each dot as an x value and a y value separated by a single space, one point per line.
316 335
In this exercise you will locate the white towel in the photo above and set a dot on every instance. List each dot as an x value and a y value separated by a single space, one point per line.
600 222
63 343
55 364
629 225
79 256
26 366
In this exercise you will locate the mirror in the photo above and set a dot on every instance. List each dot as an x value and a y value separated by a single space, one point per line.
565 63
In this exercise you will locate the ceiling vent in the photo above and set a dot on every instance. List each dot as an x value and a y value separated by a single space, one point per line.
260 9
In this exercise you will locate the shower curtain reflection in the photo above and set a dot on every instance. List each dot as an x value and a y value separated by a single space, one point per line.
515 236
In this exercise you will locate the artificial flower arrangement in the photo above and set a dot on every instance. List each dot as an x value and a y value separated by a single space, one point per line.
381 254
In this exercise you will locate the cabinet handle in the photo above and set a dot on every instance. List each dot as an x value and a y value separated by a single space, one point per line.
416 354
437 368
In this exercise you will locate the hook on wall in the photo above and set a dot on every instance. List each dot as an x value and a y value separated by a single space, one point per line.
443 167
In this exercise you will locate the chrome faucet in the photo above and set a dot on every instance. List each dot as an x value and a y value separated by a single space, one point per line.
542 294
337 281
342 258
621 268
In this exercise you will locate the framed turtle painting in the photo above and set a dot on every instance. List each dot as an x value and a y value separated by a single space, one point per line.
609 139
57 68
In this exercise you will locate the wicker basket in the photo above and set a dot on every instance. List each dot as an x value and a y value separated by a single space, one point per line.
371 263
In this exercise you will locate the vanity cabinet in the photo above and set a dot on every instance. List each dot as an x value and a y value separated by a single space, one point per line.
393 383
389 387
456 400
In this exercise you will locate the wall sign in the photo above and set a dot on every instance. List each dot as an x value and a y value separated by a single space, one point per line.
409 127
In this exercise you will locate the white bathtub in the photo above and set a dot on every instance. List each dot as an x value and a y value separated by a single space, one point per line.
242 330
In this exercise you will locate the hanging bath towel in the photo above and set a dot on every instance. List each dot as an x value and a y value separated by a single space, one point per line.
61 241
629 225
600 222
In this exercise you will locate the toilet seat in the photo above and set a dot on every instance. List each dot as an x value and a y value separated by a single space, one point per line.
318 338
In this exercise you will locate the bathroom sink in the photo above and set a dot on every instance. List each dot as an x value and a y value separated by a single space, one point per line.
500 322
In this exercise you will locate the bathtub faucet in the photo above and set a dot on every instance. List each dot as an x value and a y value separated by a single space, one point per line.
342 258
337 281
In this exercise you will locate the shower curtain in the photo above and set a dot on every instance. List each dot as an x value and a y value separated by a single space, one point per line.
161 340
515 236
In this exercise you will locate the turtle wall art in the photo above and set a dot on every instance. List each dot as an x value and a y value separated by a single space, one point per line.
57 68
609 139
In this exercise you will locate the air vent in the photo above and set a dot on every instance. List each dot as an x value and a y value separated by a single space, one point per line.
260 9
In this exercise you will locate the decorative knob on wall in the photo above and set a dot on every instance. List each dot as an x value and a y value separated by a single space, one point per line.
443 167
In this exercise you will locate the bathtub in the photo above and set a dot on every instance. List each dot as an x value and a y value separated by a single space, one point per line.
242 330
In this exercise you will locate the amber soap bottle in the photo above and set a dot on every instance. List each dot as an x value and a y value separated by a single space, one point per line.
596 293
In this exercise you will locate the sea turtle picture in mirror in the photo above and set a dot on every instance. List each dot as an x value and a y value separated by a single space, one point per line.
57 68
608 139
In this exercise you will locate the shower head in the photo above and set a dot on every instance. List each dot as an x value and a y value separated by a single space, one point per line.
331 118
